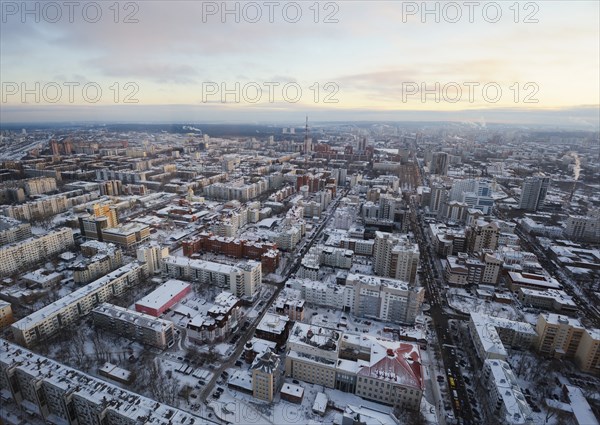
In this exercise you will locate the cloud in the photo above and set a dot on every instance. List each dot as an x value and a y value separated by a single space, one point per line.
155 71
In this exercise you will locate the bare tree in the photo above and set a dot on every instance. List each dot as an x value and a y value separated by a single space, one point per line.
77 349
101 349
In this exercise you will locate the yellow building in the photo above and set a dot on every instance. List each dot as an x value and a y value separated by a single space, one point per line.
265 376
108 211
6 315
128 236
587 356
558 335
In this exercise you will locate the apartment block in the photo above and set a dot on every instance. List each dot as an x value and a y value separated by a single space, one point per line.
533 192
584 229
6 314
491 335
221 319
61 395
12 230
68 310
290 306
395 256
134 325
243 279
38 209
103 258
266 252
358 246
482 235
19 256
152 254
559 336
505 399
587 356
390 300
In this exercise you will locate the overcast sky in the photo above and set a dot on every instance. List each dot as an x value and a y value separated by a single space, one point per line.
360 60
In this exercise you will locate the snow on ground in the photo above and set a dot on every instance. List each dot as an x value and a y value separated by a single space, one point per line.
464 302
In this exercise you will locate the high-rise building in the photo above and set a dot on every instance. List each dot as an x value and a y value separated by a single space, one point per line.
482 235
439 164
584 229
100 217
438 197
533 193
152 254
559 335
111 188
395 257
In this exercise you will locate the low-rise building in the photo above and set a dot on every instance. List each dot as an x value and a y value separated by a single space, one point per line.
387 372
59 394
48 320
134 325
517 280
164 297
491 335
554 300
274 327
292 307
128 236
42 278
221 319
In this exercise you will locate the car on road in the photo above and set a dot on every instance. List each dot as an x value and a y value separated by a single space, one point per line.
216 395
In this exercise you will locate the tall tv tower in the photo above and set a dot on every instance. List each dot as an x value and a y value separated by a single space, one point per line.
307 140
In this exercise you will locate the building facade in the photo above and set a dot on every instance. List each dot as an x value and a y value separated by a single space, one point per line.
59 394
21 255
134 325
47 321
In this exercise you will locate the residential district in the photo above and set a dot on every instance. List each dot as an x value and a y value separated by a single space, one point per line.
349 274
